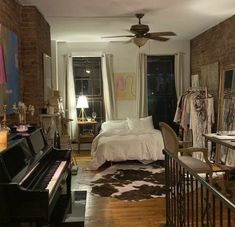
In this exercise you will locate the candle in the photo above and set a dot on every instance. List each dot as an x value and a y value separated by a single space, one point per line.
3 139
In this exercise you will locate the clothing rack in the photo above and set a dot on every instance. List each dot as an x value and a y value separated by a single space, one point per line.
200 112
197 88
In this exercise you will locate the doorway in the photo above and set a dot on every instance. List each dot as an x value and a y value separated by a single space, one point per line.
162 98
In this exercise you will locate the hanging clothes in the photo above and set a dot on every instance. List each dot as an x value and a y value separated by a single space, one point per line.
201 118
195 114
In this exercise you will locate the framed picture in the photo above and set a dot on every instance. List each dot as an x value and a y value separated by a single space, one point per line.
9 69
125 85
207 73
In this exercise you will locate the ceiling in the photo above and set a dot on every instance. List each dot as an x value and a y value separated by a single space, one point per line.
90 20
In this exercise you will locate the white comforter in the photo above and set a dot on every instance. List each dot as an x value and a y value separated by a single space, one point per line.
122 145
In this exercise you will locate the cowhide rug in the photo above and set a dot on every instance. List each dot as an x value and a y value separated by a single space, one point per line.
133 182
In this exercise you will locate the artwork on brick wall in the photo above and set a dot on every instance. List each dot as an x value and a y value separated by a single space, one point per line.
210 78
125 86
9 68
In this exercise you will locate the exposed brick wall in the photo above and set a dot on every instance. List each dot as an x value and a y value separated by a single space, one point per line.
33 39
35 33
215 44
10 14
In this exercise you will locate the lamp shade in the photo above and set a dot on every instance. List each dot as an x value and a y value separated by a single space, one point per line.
139 41
82 102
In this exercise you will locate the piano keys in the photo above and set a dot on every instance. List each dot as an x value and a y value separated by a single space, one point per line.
33 176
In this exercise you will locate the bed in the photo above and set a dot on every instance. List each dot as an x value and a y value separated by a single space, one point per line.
131 139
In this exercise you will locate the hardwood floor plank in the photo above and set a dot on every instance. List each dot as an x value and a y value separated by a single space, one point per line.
111 212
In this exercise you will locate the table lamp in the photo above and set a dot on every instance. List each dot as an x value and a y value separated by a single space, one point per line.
82 103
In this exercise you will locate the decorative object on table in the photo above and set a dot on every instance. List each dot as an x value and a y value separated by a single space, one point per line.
22 128
22 110
93 116
61 107
83 104
89 118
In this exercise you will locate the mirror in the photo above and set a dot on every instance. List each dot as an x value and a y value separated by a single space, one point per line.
47 77
227 111
227 99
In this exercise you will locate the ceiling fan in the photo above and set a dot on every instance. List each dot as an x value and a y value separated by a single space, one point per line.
141 33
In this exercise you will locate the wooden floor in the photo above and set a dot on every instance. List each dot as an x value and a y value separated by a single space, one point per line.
111 212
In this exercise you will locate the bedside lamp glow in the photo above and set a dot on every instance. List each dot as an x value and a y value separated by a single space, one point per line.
83 104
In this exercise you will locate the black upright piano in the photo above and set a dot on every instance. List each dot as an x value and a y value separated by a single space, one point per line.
33 176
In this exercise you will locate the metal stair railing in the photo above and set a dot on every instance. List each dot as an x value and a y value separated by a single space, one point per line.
191 200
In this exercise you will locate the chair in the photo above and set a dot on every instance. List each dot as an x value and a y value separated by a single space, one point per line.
171 144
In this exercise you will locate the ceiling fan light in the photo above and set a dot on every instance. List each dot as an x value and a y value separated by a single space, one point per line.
139 41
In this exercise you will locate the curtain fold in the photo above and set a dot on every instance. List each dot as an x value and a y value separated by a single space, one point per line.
70 99
179 74
108 87
141 86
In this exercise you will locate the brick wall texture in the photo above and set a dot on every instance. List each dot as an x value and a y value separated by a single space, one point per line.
214 45
33 33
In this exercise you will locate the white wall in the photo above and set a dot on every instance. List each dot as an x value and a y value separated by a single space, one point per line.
124 57
54 65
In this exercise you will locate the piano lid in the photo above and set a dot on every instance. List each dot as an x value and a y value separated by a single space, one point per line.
14 161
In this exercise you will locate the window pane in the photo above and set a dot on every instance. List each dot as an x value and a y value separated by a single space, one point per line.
87 76
88 81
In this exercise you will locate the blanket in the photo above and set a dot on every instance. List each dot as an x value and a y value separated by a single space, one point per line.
122 145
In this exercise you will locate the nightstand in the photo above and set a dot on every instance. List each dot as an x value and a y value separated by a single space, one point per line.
86 132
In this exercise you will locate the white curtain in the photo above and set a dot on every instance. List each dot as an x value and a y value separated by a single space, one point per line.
108 87
179 74
141 86
70 99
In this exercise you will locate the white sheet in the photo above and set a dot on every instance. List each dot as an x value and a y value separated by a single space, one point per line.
122 145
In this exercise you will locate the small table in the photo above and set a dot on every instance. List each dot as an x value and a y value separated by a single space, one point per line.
227 141
85 136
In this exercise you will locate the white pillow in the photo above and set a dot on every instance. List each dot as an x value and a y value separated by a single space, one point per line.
140 124
114 125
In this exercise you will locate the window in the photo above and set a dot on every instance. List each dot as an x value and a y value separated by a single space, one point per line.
88 82
161 89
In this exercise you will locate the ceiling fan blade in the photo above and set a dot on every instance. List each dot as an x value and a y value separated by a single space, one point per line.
158 38
155 34
116 36
128 41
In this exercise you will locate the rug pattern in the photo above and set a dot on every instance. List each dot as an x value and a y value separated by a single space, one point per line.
130 182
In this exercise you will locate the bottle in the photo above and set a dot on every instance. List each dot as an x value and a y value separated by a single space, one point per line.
57 140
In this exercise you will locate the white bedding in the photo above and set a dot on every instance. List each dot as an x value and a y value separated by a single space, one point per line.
126 144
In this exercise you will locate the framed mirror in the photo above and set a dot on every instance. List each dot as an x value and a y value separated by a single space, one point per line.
226 118
227 99
47 77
